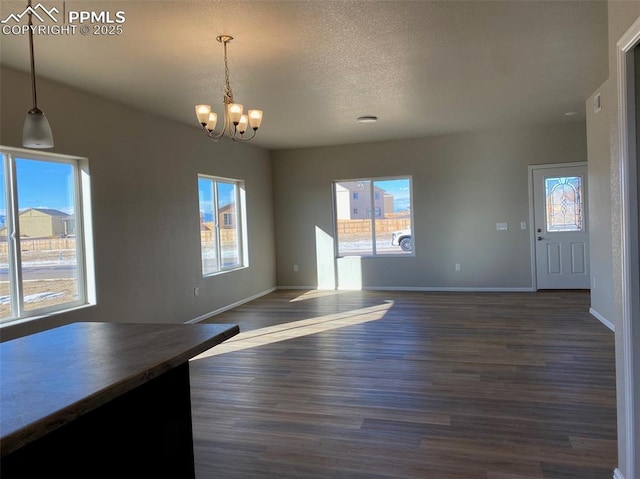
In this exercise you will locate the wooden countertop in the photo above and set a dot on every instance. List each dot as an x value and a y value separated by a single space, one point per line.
50 378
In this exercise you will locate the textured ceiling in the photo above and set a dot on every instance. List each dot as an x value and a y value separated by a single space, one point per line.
423 67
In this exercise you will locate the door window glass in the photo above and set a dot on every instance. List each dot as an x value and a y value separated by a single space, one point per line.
564 204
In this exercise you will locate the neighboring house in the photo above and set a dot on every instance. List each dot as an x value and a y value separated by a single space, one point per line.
227 216
353 200
44 223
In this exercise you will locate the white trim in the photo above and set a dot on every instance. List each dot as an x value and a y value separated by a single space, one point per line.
525 289
230 306
629 243
313 288
532 233
617 474
602 319
447 289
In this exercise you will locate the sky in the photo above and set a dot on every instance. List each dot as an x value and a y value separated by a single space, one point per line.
400 191
41 184
226 195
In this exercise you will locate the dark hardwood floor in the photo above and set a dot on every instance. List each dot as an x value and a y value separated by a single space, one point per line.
408 385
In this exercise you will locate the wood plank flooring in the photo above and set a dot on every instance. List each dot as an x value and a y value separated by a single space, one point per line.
408 385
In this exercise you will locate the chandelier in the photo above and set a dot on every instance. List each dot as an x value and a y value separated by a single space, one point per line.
235 121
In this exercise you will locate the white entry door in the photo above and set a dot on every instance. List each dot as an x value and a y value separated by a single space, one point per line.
560 227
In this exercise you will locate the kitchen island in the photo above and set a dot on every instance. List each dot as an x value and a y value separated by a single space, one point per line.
101 400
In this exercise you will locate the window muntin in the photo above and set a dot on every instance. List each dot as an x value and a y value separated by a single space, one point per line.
43 265
221 232
384 207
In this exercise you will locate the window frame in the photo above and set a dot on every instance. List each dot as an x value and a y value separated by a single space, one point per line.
240 224
372 218
85 264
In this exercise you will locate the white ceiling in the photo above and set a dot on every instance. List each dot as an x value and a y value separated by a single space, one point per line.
423 67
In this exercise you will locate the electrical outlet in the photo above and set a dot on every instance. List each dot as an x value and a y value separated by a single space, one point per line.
523 225
196 291
295 268
457 266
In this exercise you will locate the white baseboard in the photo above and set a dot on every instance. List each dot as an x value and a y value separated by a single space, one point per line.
312 288
617 474
448 289
602 319
230 306
421 288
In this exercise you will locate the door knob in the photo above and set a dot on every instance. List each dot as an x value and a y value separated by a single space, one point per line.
540 238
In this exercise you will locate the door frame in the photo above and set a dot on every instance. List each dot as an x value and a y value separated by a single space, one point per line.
532 231
630 326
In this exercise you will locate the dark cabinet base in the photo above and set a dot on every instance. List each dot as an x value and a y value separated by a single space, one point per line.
145 433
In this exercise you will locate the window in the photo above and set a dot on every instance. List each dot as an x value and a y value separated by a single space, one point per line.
221 234
386 209
44 233
564 204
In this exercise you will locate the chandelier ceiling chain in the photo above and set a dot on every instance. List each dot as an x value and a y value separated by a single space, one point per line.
235 121
228 94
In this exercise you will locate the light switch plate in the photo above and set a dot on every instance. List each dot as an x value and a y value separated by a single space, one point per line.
502 226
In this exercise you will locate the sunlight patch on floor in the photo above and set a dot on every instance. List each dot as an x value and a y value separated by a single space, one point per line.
296 329
317 293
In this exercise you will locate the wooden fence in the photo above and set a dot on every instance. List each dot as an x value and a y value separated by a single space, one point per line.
226 235
364 226
39 244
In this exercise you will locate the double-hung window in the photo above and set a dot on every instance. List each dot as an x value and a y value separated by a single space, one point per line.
222 224
373 215
45 229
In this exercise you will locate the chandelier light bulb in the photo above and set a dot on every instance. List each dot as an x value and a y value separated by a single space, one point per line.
255 118
211 121
242 124
202 112
235 112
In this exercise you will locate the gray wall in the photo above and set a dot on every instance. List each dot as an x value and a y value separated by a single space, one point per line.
145 205
599 164
462 186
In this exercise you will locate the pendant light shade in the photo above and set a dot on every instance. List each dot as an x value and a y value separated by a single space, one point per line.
36 132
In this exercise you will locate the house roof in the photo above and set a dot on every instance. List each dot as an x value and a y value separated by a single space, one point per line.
423 67
46 211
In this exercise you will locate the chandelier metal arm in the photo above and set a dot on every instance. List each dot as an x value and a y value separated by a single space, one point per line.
241 138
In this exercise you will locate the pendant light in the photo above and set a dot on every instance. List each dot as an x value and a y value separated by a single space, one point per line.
36 132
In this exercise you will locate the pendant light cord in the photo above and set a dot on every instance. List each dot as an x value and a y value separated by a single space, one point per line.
33 63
